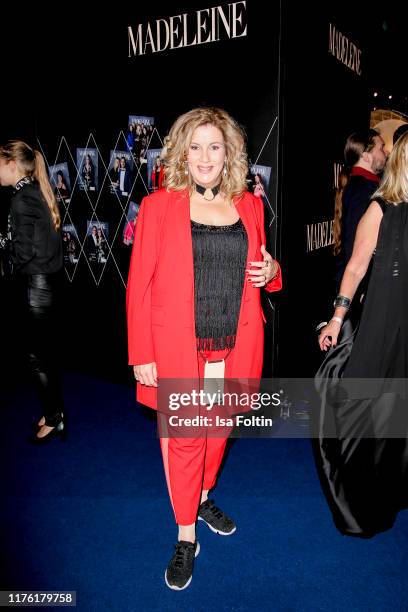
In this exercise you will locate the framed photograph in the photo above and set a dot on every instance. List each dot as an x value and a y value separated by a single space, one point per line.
260 177
87 166
96 241
130 223
60 182
121 172
154 170
139 133
70 244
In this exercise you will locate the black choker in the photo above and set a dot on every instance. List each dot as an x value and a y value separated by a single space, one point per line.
201 190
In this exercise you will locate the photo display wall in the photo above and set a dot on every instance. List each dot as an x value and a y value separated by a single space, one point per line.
105 159
99 196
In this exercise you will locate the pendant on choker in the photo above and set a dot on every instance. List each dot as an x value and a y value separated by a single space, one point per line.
202 191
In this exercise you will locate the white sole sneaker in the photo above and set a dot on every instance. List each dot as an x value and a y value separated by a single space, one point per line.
176 588
224 533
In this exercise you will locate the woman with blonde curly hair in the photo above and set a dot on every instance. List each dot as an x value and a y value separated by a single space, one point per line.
193 300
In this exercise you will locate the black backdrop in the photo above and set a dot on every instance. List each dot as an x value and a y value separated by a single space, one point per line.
324 101
70 77
76 86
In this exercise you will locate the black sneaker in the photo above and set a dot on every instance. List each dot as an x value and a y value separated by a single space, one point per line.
215 518
179 572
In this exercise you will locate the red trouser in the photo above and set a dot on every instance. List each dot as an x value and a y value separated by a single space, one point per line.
192 464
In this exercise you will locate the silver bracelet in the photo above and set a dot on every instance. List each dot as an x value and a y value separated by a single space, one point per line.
342 301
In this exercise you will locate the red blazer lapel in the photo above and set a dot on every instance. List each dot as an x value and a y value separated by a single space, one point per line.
181 217
245 211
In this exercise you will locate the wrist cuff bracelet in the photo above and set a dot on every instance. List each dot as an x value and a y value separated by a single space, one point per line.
342 301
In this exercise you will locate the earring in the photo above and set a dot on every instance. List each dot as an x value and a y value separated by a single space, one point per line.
225 170
186 168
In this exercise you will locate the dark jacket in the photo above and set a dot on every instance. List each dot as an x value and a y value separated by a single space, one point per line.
127 183
356 199
36 247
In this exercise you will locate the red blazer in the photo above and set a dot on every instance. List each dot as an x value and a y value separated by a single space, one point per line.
160 292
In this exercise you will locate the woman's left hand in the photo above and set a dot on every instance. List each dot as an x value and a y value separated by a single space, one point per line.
264 270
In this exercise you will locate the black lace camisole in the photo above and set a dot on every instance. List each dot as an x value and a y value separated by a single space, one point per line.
220 254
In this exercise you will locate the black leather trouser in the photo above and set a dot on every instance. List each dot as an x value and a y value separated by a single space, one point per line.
42 342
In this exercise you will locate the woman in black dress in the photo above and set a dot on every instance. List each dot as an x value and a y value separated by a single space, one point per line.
88 173
61 190
362 449
37 260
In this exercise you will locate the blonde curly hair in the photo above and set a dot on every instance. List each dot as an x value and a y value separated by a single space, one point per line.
394 184
177 142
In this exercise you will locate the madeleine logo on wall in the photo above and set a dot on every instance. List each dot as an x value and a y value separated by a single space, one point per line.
201 27
344 50
338 167
319 235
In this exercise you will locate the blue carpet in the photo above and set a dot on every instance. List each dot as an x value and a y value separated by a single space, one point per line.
92 515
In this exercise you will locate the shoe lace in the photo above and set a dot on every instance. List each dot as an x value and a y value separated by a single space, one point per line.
215 511
180 556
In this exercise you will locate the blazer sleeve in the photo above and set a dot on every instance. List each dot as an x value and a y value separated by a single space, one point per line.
139 286
23 217
275 284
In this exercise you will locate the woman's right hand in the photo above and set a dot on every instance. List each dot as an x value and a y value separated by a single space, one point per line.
146 374
329 334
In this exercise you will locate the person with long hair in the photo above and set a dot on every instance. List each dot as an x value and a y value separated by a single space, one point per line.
72 248
258 186
61 190
193 302
114 174
88 172
364 158
102 245
364 463
130 138
364 161
37 260
157 174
